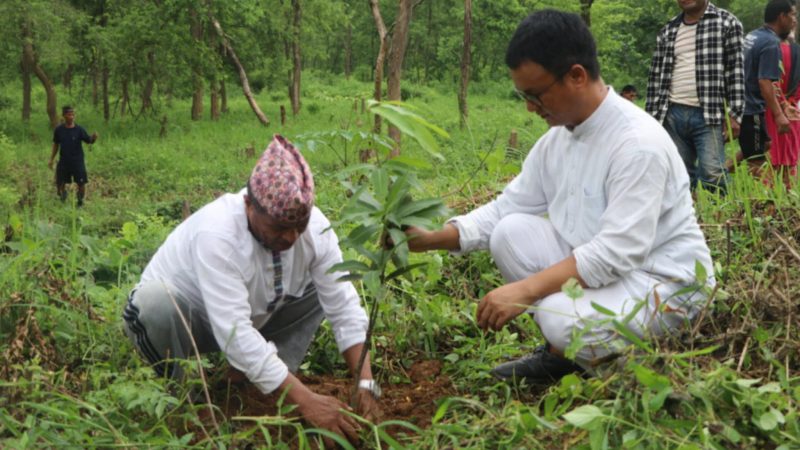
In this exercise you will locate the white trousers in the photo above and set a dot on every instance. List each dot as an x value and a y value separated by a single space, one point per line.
523 244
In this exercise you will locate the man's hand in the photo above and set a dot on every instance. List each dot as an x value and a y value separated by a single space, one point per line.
735 129
94 137
368 406
50 165
783 123
417 238
501 305
322 411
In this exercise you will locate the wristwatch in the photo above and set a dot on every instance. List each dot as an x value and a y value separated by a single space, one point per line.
372 386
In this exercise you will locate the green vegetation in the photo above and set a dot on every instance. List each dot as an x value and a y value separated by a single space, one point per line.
69 377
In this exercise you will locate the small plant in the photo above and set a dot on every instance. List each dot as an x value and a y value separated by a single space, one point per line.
382 206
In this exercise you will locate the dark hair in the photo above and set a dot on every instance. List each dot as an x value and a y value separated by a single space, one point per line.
775 8
629 88
65 109
555 40
253 201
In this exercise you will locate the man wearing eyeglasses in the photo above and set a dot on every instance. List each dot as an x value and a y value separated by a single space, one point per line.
697 67
602 198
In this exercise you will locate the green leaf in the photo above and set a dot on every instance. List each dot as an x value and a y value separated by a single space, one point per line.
650 378
602 309
349 266
410 124
583 416
380 182
657 401
700 273
628 334
362 234
404 270
416 206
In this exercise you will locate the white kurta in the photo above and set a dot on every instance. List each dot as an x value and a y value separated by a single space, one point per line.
214 262
616 195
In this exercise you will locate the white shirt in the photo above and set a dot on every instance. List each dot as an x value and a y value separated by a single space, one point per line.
615 189
214 262
684 78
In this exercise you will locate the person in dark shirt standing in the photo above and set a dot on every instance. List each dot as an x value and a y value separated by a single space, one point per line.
69 137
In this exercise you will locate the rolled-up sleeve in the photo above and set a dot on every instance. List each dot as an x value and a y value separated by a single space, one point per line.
339 300
524 194
226 300
635 189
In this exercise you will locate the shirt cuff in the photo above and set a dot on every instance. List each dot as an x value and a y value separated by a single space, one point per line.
348 337
273 372
469 236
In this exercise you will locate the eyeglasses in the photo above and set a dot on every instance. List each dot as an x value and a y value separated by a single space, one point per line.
535 98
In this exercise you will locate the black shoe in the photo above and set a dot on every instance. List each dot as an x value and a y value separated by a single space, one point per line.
540 367
63 196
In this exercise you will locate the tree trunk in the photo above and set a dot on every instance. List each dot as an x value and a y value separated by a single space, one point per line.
196 29
125 100
296 57
26 91
586 12
67 78
95 85
147 91
465 63
348 51
214 100
399 44
106 104
223 96
30 61
242 74
379 62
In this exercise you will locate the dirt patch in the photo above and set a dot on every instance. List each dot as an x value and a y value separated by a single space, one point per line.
415 402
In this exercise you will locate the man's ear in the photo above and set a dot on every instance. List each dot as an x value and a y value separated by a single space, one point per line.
246 200
578 75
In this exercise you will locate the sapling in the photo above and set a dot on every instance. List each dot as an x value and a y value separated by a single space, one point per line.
382 206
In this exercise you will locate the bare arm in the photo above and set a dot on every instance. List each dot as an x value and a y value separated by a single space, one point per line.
501 305
53 155
768 93
423 240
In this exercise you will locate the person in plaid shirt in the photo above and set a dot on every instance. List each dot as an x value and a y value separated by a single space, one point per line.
696 69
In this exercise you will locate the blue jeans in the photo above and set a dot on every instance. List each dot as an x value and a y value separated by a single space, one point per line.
701 146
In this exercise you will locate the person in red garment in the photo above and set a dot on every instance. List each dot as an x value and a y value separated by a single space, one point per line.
785 147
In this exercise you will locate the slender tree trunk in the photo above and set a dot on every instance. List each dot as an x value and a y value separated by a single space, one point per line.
26 90
214 100
296 57
147 90
29 57
95 85
106 102
196 29
399 44
465 63
223 96
348 51
242 74
67 78
126 98
379 61
586 12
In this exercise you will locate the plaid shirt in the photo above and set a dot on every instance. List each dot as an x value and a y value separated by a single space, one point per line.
719 63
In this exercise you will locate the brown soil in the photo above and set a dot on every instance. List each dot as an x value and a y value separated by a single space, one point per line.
415 402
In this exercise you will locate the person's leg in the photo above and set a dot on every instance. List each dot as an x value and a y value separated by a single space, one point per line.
523 244
564 320
678 126
293 327
710 145
81 178
62 178
154 325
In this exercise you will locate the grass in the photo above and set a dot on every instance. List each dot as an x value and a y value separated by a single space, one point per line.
70 378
